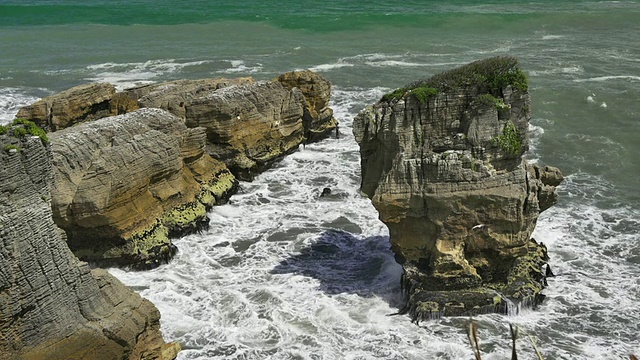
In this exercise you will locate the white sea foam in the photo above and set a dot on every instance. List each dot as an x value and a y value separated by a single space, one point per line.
594 253
126 75
607 78
240 67
329 67
574 69
552 37
12 99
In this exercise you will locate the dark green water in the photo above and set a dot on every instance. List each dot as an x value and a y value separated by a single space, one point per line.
583 61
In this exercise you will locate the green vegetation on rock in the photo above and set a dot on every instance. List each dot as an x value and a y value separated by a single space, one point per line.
9 147
421 93
510 140
19 132
21 127
488 76
31 128
490 100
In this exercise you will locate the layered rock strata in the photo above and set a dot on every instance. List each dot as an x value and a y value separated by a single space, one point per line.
249 125
52 306
79 104
318 121
442 161
124 184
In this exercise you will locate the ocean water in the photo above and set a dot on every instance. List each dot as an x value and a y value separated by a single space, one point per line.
283 274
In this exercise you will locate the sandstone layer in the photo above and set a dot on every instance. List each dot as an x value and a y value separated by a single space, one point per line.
124 184
79 104
318 120
250 124
442 161
53 306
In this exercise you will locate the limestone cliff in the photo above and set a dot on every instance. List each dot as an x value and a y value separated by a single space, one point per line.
52 306
442 161
249 124
124 184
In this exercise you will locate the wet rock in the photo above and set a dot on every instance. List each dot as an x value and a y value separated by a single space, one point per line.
442 161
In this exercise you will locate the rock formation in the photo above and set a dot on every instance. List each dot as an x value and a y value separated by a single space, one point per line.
124 184
318 120
249 125
52 306
442 161
78 104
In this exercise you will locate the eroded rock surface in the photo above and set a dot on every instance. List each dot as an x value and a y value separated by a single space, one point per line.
318 120
79 104
442 161
124 184
53 306
249 126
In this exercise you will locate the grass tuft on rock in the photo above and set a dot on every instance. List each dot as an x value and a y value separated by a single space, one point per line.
488 76
28 127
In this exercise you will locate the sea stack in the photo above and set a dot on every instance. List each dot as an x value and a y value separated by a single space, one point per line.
443 163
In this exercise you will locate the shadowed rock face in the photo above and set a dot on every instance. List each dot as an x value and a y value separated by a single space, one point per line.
123 185
52 306
442 161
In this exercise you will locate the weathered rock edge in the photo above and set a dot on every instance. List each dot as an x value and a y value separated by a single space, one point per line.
442 161
53 306
124 185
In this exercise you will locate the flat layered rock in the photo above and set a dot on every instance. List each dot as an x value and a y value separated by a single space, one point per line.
79 104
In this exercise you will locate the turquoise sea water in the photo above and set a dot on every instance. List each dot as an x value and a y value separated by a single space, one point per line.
254 285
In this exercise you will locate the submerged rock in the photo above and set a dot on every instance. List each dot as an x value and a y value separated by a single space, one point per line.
53 306
123 185
442 161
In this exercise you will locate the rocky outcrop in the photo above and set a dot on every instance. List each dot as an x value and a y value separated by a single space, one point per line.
52 306
249 125
78 104
124 185
318 120
442 161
